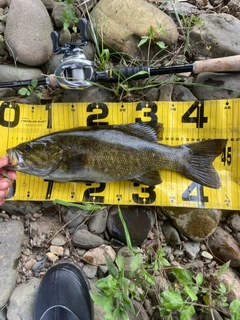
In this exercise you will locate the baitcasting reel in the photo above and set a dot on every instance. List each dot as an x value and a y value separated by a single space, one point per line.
74 71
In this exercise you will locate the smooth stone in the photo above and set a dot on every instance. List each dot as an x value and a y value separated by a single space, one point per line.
123 33
216 36
215 86
10 72
90 271
74 216
194 223
58 251
192 249
11 238
233 220
27 32
181 93
228 278
21 207
86 240
139 221
58 240
98 221
38 266
171 234
206 255
48 4
96 256
224 247
22 300
52 257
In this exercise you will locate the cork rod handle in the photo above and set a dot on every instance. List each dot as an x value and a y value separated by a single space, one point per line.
226 64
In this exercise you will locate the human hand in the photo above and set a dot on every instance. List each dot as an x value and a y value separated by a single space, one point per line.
5 183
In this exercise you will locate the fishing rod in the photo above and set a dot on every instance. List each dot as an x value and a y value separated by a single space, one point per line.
77 72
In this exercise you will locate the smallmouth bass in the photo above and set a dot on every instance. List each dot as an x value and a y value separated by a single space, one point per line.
114 153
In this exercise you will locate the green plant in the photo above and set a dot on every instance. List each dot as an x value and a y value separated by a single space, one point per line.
69 15
30 89
151 38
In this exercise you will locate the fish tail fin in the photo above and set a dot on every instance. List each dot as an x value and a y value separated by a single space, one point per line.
199 168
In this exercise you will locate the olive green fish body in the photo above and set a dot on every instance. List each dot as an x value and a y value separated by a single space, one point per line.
115 153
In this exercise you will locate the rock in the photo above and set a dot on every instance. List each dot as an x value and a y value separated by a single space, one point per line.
96 256
51 257
233 220
225 247
98 221
192 249
139 221
64 37
21 207
74 216
29 264
58 251
86 240
140 312
90 271
197 224
10 72
215 36
117 28
58 240
42 230
229 278
171 234
48 4
11 238
27 32
206 255
57 14
216 86
38 266
22 299
181 93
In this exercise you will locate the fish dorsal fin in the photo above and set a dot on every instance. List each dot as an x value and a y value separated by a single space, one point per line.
148 132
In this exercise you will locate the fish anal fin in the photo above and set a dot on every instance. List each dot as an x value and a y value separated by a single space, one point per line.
151 178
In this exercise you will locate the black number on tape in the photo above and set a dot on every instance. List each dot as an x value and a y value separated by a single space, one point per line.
16 111
199 119
197 197
89 194
150 114
227 156
144 200
93 119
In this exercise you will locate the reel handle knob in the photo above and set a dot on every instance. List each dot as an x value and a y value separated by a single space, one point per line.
83 29
55 41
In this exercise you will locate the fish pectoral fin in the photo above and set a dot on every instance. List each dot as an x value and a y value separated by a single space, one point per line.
150 178
75 162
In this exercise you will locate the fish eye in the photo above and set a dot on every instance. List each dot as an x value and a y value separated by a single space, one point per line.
27 147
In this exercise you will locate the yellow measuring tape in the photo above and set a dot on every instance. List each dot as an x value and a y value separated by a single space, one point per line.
184 122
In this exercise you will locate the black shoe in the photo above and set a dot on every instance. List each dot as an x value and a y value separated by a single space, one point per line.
63 294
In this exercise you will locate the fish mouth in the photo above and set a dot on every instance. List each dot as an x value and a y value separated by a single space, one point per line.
13 159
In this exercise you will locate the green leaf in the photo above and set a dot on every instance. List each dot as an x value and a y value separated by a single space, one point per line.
148 277
223 269
187 312
34 83
23 91
190 293
183 276
199 279
127 235
222 288
234 309
161 44
80 206
144 40
136 262
171 300
111 267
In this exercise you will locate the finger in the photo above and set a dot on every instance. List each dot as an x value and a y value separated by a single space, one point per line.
3 161
3 193
12 175
5 183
